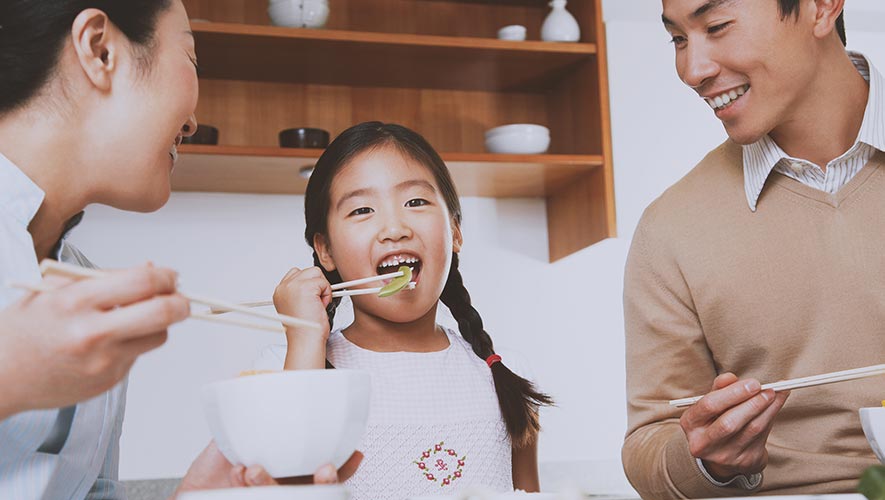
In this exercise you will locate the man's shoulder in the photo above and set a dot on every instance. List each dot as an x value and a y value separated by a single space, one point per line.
716 180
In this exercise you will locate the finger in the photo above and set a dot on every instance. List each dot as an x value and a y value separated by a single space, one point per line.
717 402
724 380
144 318
326 475
257 476
121 288
236 476
736 419
760 427
291 274
349 468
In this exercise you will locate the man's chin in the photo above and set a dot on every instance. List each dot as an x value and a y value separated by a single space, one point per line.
744 136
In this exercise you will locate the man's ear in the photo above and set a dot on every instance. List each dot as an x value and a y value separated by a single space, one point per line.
321 246
825 16
457 238
97 46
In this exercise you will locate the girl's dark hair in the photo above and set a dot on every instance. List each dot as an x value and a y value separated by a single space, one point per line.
33 32
791 8
517 397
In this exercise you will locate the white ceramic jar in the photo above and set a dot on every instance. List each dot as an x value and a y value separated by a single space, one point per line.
560 25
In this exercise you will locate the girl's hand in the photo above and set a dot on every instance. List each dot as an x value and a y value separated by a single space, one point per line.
305 294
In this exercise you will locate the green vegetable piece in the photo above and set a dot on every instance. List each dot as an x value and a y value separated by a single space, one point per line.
872 483
397 284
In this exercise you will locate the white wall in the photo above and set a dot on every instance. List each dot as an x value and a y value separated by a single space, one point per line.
238 246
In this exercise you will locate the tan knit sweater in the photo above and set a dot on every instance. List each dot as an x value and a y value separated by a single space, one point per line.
795 289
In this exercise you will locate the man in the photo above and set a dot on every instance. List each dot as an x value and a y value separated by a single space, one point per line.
762 264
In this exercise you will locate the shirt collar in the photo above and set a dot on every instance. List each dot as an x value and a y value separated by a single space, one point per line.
761 157
20 197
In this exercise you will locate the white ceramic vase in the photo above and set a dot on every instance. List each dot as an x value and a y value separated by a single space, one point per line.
560 25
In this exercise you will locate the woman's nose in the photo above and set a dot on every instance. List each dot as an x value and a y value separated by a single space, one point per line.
190 126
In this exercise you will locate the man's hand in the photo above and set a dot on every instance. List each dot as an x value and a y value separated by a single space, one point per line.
729 427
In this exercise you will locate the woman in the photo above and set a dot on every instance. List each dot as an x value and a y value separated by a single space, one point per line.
95 96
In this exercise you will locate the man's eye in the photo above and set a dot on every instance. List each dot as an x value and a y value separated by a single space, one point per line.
717 28
417 202
678 40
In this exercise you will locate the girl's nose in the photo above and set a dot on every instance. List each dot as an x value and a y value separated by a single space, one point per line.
394 229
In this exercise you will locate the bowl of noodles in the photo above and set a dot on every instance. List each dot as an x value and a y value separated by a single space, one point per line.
289 422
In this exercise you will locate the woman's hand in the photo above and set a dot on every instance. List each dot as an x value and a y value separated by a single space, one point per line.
61 347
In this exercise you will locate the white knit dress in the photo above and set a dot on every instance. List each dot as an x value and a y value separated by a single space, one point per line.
435 427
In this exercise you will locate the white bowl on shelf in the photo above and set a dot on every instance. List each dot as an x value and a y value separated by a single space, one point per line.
514 32
311 492
873 422
291 422
299 13
518 138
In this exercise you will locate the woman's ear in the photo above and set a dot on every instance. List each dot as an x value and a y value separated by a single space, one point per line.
321 246
97 47
457 238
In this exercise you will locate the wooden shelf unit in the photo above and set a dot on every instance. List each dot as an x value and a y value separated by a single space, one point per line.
431 65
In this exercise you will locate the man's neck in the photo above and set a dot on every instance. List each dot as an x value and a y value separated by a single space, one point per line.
826 123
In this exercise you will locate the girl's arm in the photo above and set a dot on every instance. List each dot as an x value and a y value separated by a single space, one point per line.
525 467
305 294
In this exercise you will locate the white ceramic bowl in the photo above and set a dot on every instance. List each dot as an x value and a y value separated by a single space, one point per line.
512 32
331 492
299 13
291 422
873 422
518 138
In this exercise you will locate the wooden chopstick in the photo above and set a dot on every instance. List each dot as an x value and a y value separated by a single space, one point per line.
49 267
800 383
363 281
336 294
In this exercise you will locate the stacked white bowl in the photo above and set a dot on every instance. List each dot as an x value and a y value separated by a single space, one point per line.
518 138
299 13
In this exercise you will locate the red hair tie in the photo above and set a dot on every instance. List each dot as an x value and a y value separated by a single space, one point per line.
494 358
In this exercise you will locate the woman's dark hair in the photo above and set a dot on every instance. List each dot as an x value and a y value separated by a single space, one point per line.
517 397
33 33
791 8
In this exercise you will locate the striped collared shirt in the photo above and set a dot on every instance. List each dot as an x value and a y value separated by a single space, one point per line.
765 156
59 453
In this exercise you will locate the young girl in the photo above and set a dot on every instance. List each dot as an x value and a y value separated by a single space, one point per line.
446 412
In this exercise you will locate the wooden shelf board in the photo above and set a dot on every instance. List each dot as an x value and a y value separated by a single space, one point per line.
270 170
270 53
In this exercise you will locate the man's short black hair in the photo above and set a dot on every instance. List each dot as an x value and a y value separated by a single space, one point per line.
791 8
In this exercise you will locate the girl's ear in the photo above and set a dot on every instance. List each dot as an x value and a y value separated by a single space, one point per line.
457 238
321 246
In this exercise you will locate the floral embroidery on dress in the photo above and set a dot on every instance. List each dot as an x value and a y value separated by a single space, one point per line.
442 461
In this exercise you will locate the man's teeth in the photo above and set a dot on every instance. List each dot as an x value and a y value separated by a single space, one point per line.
173 152
398 260
727 98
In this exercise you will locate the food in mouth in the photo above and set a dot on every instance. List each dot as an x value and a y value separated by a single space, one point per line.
397 284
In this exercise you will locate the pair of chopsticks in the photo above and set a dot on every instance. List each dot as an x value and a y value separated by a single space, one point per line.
799 383
338 291
53 268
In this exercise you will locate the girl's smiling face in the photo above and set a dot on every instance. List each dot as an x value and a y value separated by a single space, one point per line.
387 210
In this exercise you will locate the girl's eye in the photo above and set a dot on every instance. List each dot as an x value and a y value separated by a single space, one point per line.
361 211
417 202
